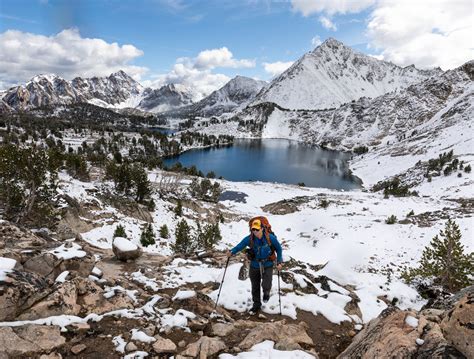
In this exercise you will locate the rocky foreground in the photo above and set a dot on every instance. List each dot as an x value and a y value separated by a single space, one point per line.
69 299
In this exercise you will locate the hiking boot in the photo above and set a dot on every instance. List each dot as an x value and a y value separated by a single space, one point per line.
255 309
266 297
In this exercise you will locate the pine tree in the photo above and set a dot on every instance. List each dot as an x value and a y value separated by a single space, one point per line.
179 208
445 261
208 237
184 240
120 232
148 236
164 232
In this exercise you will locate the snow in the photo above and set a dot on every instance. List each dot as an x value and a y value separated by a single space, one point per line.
6 266
184 294
62 277
411 321
265 350
136 355
68 251
124 245
119 344
179 319
419 341
140 278
141 336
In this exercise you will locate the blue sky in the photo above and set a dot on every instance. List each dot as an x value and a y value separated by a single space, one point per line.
163 33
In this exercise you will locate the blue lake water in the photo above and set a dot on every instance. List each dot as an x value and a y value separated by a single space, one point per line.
273 160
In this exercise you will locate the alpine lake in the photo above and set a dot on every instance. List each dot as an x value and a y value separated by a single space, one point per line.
273 160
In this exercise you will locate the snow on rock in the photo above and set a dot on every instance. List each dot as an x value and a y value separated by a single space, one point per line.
119 344
184 294
265 350
62 277
136 355
6 266
179 319
411 321
68 251
141 336
125 249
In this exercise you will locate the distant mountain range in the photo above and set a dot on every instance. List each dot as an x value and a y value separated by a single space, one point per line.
327 77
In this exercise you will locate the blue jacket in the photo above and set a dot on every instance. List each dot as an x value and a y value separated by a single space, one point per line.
261 249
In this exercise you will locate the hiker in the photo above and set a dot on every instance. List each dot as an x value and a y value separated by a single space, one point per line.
262 245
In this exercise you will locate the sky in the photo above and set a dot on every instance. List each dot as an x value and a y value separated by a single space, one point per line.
204 43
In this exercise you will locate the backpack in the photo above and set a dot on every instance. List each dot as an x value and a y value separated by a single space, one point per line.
267 227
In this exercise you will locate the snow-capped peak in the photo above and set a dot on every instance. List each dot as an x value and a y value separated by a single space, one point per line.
333 74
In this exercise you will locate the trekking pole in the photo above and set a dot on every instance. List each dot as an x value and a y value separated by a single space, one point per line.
222 282
279 292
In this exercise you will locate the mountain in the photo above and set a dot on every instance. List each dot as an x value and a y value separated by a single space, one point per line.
334 74
233 96
50 89
165 98
422 109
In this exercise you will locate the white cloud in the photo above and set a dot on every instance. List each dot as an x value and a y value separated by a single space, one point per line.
327 23
276 68
197 72
316 41
331 7
203 82
424 33
209 59
24 55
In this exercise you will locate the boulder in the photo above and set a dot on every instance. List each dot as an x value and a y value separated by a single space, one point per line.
125 250
163 345
388 333
20 291
30 340
61 301
435 345
204 348
284 335
44 264
222 329
458 326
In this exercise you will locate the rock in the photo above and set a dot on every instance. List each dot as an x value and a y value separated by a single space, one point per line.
163 345
76 349
222 329
198 323
149 330
458 326
78 327
130 347
287 344
125 250
20 291
328 332
61 301
30 340
205 347
435 345
44 264
182 344
288 334
388 333
78 266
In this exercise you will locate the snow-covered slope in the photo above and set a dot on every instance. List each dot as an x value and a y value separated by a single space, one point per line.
234 95
426 107
165 98
334 74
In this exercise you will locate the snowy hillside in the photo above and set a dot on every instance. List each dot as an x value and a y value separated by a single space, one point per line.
334 74
165 98
233 96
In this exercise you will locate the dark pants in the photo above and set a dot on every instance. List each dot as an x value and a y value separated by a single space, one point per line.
256 279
